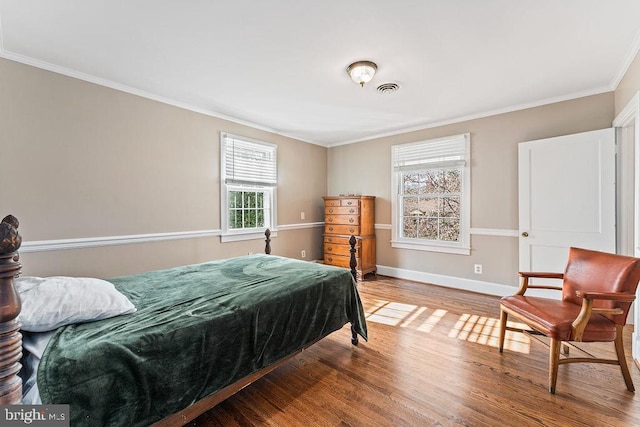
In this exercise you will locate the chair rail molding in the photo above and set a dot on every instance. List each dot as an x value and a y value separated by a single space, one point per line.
94 242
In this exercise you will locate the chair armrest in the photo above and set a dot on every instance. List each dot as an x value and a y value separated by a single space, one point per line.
544 275
526 275
580 323
610 296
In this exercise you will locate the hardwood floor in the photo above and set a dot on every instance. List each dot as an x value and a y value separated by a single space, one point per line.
431 360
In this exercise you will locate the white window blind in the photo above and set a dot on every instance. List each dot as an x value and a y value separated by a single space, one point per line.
438 153
248 162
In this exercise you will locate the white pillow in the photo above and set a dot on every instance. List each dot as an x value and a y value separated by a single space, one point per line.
51 302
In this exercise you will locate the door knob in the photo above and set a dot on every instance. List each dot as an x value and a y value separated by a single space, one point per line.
525 234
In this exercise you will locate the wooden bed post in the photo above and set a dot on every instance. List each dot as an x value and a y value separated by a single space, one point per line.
10 337
267 239
353 264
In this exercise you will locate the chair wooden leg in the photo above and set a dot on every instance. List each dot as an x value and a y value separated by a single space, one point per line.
503 329
565 349
622 359
554 359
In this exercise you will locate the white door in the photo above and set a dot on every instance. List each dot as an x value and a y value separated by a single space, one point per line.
566 198
627 124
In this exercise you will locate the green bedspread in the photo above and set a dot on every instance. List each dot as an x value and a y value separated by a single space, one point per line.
198 329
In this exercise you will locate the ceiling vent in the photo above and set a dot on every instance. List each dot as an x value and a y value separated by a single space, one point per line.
388 87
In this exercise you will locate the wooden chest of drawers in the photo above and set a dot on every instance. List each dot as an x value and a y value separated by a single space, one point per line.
345 216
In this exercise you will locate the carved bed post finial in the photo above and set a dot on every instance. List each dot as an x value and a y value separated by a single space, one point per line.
10 337
353 262
267 239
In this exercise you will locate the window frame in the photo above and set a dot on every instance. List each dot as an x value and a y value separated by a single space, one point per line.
460 247
228 185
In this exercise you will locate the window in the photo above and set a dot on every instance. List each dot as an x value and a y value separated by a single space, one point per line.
431 195
250 177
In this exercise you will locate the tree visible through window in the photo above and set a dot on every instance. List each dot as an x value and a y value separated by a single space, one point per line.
246 209
431 206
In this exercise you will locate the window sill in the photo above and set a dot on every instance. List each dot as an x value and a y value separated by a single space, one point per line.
245 235
457 249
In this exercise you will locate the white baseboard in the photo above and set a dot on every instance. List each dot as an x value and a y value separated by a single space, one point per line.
448 281
478 286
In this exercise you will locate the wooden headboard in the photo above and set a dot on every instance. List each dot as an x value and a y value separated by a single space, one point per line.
10 336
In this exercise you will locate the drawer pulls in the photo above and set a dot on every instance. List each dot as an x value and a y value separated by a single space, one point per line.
331 219
351 211
351 230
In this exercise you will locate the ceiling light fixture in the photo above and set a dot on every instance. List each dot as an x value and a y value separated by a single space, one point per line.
362 72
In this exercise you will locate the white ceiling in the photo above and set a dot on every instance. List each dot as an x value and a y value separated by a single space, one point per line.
280 65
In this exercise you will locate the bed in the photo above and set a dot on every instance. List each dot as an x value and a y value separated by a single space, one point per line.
193 335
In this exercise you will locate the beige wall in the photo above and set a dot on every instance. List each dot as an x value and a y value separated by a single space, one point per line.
81 160
628 86
365 168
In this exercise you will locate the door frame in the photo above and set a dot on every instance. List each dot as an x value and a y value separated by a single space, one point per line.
628 143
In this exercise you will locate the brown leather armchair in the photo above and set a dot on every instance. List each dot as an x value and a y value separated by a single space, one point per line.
597 291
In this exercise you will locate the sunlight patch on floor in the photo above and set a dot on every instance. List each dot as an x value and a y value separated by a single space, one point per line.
432 321
372 306
486 331
517 341
391 313
469 327
413 317
400 314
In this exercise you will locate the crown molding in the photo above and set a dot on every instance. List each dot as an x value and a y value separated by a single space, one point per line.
634 49
626 62
135 91
480 115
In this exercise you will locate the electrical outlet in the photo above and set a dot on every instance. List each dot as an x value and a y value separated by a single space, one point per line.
302 216
303 253
477 268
